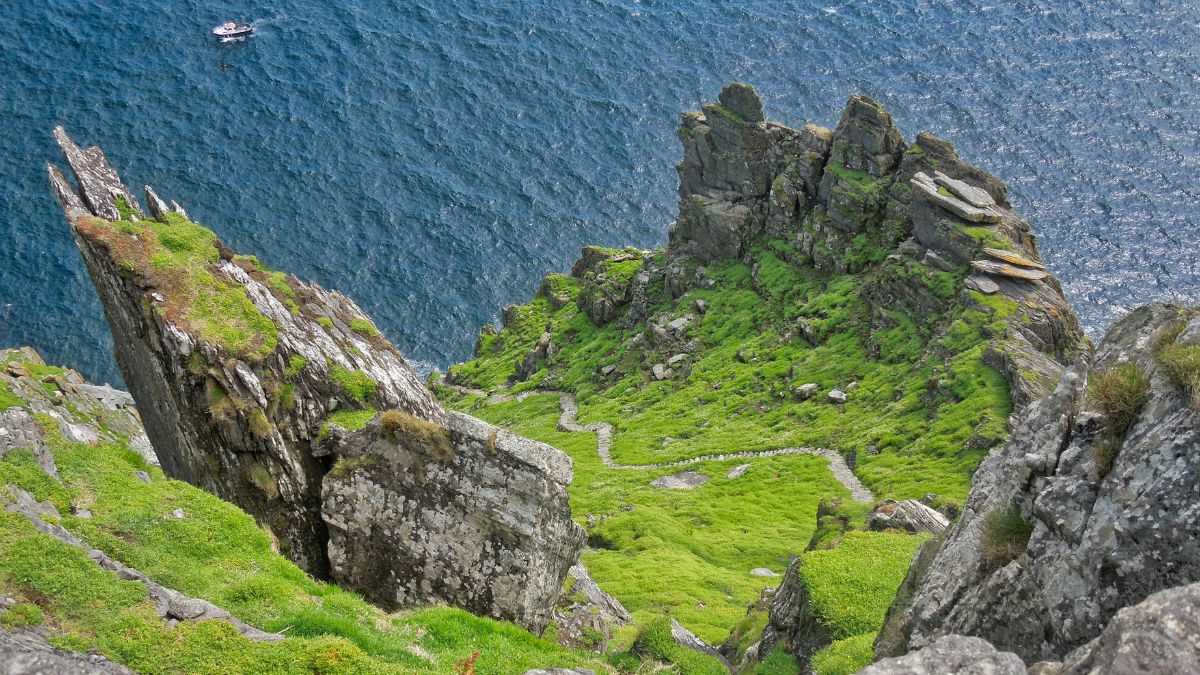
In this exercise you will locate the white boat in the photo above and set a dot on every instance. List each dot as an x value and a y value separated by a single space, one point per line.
230 29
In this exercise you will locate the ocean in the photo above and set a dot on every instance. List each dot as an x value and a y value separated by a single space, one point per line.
433 160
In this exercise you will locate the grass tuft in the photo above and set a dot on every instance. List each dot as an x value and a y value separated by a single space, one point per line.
1005 535
1120 392
357 384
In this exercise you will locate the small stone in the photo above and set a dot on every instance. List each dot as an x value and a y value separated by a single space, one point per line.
608 370
679 325
678 358
142 476
738 471
680 481
1015 259
982 284
975 196
157 297
179 514
763 572
660 371
807 391
1007 270
936 261
837 396
699 306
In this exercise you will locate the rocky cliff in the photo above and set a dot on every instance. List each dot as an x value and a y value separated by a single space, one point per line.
249 382
1091 507
838 194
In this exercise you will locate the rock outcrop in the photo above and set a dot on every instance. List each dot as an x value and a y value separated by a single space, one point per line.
248 382
835 194
1110 517
1161 634
468 513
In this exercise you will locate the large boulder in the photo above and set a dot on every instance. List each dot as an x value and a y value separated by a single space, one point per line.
469 514
951 654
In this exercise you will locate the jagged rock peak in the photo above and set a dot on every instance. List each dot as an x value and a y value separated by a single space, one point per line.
866 138
250 383
99 185
741 99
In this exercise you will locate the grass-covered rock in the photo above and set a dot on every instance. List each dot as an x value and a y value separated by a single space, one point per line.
109 496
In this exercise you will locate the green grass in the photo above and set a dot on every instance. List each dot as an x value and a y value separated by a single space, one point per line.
686 553
364 327
350 420
846 656
1120 392
357 384
296 365
1181 364
656 642
1005 536
217 553
179 259
738 395
851 586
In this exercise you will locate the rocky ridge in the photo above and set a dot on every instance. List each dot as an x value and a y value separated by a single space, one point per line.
1109 517
257 387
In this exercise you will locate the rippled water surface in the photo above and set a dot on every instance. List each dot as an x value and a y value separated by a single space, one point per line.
434 159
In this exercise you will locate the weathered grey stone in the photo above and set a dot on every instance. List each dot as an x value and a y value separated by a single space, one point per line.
472 515
763 572
99 185
660 372
982 284
1100 542
929 190
932 259
975 196
1007 270
1160 634
158 208
836 396
807 391
1014 258
540 352
738 471
743 101
951 654
27 653
686 480
687 639
709 228
909 515
866 138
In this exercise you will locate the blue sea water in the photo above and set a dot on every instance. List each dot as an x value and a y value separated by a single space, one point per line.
433 159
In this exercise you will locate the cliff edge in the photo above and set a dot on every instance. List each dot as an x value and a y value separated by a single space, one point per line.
251 384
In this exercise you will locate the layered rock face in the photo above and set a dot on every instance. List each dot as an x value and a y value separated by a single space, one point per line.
469 513
243 377
1110 516
1161 634
835 194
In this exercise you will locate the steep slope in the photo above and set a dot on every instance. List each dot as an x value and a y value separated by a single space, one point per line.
100 553
1091 507
260 388
837 292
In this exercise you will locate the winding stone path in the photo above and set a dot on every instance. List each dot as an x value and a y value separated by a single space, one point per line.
569 421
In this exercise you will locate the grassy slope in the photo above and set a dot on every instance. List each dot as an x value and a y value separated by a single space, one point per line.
686 552
922 392
732 403
217 553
